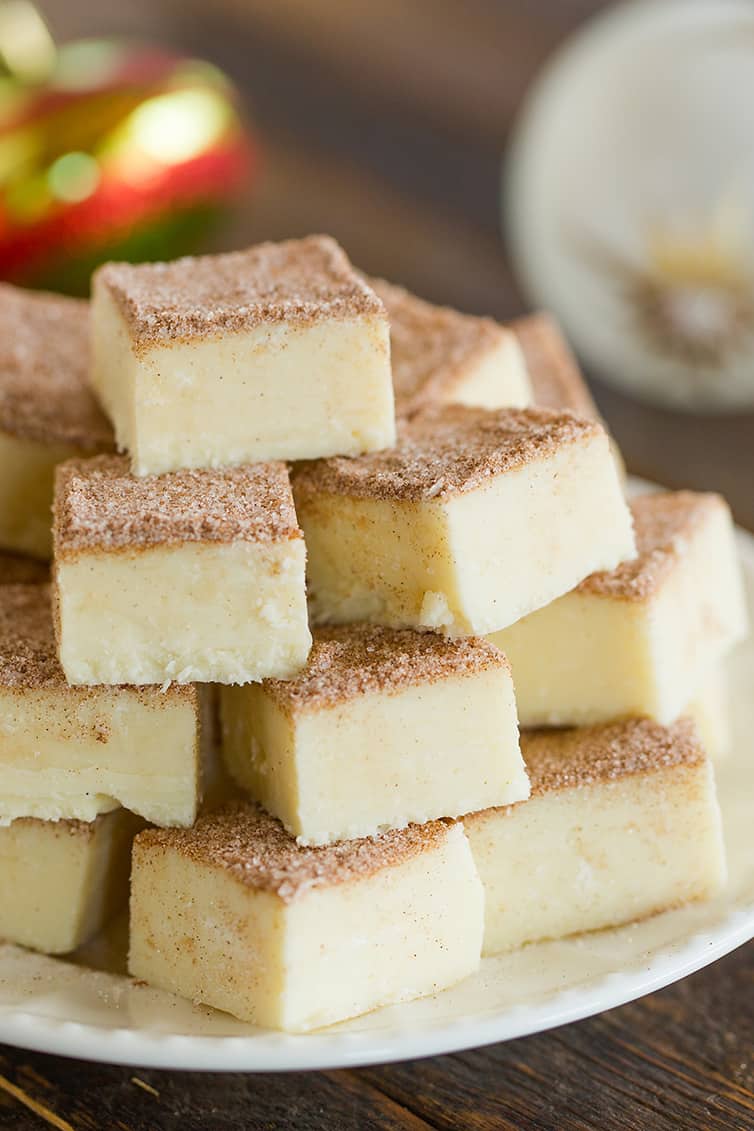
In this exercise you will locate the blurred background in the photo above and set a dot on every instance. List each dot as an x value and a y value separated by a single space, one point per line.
385 125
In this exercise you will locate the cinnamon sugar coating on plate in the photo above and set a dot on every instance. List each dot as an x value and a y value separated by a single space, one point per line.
44 361
446 451
100 505
579 756
29 654
242 839
432 347
297 281
15 569
351 660
663 524
554 374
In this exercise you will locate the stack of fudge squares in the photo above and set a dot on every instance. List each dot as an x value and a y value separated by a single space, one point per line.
319 548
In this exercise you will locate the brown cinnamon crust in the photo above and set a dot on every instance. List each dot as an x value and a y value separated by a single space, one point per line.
15 569
100 505
555 377
446 451
576 757
29 657
432 347
663 524
298 281
579 756
242 839
44 362
361 659
69 826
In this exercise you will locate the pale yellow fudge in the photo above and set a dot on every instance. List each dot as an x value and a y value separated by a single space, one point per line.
622 823
441 356
475 519
710 712
382 727
79 751
60 881
47 411
278 352
235 914
641 639
189 576
17 569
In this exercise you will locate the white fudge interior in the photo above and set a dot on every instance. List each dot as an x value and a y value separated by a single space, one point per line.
591 657
604 854
207 612
497 380
379 760
476 562
59 883
68 753
277 391
332 952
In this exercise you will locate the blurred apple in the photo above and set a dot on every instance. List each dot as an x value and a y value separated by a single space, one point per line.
109 150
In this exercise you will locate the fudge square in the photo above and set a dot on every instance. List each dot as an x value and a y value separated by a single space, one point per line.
442 356
623 822
189 576
474 519
278 352
60 881
235 914
47 411
383 727
78 751
642 639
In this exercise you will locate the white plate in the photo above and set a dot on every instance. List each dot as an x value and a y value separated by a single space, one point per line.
61 1007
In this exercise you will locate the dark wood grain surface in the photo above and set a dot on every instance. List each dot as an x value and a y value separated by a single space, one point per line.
385 124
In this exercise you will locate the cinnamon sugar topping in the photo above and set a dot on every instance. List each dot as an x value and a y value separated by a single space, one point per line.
446 451
44 351
553 372
244 840
432 347
28 656
580 756
351 660
68 826
100 505
663 524
298 281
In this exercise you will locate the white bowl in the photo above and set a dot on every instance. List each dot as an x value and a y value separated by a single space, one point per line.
629 198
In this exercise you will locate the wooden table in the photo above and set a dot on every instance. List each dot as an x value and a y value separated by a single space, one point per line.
384 125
